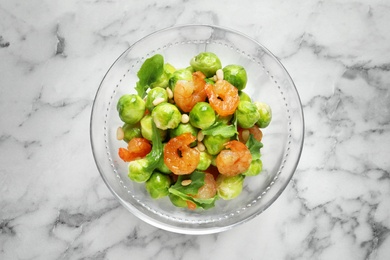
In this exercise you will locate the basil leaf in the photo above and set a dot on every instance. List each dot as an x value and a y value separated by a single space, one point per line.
254 147
149 72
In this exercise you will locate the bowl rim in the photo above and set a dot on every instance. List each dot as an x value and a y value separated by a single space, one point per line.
183 230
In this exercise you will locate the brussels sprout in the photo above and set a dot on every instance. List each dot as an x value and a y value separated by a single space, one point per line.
131 131
265 113
184 128
146 128
207 63
163 80
205 161
254 169
166 116
202 115
214 143
247 114
138 172
177 201
156 93
235 75
181 74
244 96
158 184
131 108
229 187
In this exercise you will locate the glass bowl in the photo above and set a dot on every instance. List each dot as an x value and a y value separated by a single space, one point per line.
268 81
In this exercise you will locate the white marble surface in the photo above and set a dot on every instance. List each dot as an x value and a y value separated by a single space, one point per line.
53 202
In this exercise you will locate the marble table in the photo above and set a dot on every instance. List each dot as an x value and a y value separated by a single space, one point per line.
53 202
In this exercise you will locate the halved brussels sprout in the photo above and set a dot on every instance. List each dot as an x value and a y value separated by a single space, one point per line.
247 114
235 75
131 108
184 128
177 201
265 113
202 115
158 184
206 62
166 116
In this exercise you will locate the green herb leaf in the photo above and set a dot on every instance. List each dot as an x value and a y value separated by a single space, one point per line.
197 181
254 147
220 128
155 154
149 72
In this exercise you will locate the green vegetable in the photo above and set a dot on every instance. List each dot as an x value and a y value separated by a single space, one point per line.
254 147
235 75
254 169
155 93
221 129
202 115
247 114
138 170
181 74
206 62
214 143
163 80
205 161
184 128
147 129
149 72
244 96
131 108
157 185
184 192
177 201
166 116
229 187
265 114
131 131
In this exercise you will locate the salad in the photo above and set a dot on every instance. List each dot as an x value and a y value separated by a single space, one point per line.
192 134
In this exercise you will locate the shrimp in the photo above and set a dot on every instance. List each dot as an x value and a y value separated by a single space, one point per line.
223 97
234 161
243 134
136 148
207 191
187 93
179 157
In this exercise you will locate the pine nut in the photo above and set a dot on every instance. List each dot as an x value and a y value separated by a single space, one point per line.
186 182
158 101
169 92
200 136
219 74
201 147
185 118
120 134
